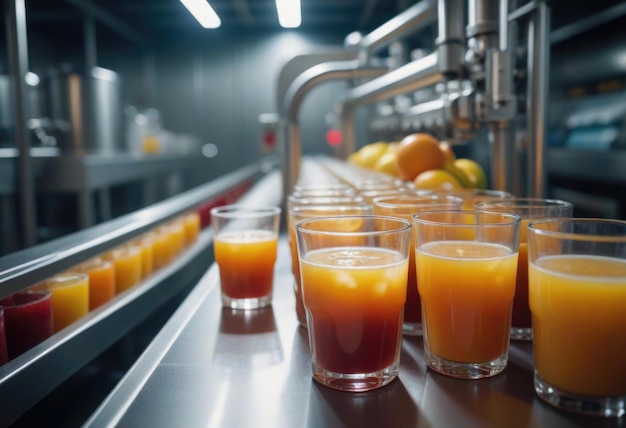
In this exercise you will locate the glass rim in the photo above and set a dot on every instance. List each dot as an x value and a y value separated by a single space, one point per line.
578 236
324 207
514 218
66 279
515 202
475 191
43 294
431 199
406 225
246 211
326 199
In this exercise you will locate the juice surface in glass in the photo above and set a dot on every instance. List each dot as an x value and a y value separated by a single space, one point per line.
354 299
246 261
579 315
70 299
467 293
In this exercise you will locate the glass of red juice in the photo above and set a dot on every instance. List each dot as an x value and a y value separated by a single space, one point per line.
27 319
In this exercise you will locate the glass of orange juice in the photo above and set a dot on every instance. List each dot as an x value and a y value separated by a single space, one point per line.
577 295
354 289
528 209
101 280
127 263
297 213
466 281
404 206
70 298
245 246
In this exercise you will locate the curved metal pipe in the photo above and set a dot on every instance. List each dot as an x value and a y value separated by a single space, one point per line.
412 19
415 75
289 133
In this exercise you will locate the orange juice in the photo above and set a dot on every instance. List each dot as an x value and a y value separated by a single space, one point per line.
301 213
70 298
246 261
467 293
404 206
176 237
146 246
127 264
578 305
101 281
191 223
354 297
161 252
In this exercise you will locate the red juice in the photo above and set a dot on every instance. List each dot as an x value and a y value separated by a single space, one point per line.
28 320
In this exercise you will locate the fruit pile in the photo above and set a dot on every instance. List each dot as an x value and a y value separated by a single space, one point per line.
421 158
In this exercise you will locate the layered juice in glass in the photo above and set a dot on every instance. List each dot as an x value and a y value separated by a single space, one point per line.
354 298
258 249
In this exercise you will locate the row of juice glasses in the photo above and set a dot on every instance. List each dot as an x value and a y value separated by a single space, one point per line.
34 314
489 259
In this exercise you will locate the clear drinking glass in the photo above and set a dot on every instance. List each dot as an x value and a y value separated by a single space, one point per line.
296 214
528 209
577 295
245 246
404 206
466 280
354 273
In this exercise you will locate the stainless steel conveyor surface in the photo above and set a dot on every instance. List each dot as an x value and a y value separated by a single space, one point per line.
216 367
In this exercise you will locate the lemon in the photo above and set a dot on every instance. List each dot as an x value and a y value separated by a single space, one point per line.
474 172
435 179
370 153
386 164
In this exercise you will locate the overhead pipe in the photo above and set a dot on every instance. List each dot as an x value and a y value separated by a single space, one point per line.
415 75
289 127
411 20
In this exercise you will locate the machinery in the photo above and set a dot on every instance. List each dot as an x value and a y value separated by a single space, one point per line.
489 66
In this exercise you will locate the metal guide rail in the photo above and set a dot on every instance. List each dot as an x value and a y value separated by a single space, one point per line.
32 375
215 367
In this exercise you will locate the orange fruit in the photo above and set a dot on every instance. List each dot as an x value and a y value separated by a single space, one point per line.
417 153
437 179
448 153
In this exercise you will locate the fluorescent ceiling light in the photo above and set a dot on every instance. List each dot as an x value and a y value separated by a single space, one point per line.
289 13
203 12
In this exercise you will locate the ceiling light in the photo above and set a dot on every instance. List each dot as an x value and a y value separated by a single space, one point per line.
289 13
203 12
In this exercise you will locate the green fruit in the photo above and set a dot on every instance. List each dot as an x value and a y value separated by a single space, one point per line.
459 174
473 171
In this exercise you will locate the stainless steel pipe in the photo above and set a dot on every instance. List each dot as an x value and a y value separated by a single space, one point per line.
412 19
415 75
289 128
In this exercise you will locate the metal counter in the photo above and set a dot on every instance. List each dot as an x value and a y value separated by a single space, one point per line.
215 367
